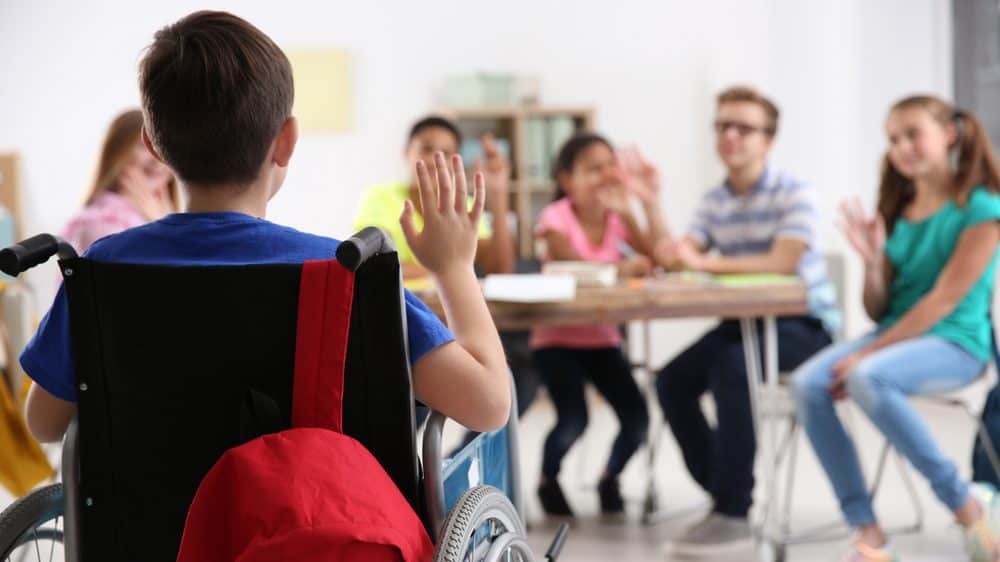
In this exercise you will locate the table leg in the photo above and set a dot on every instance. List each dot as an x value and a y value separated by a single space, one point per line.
768 373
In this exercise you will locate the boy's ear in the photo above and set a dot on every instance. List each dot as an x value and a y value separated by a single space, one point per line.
284 143
149 145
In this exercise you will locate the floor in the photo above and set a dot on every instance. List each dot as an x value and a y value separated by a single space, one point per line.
593 539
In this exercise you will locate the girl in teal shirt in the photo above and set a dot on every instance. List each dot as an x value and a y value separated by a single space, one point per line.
928 285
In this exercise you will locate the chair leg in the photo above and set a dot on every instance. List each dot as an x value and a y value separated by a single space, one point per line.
911 490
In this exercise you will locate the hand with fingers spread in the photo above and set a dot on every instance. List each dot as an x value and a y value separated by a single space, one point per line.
639 176
447 242
866 234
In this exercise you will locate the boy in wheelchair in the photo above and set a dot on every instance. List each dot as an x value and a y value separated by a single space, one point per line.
216 98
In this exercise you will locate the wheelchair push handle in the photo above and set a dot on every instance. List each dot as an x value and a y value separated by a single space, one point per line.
358 248
36 250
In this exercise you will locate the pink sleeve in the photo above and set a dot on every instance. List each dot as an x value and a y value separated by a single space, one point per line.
552 219
88 228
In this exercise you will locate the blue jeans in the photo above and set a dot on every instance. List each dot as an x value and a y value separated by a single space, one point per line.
879 385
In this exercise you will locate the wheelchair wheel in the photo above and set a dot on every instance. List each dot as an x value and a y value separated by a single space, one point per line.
483 527
31 527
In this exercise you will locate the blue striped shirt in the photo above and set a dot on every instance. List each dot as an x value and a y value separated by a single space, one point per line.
778 206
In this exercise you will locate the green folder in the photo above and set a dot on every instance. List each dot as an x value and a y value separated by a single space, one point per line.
755 279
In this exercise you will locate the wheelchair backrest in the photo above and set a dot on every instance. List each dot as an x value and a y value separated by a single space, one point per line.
176 365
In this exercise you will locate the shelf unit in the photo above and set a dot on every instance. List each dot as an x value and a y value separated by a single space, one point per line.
531 185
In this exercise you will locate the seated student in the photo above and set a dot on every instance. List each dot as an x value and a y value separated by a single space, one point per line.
131 187
495 251
929 287
591 219
217 98
760 220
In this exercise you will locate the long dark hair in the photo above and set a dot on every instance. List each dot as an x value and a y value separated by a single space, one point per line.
568 155
976 164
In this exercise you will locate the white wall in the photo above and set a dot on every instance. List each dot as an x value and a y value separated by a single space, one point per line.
649 68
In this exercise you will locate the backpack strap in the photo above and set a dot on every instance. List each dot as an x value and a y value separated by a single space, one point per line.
324 319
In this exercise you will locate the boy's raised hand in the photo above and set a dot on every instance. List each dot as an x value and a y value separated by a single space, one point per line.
449 237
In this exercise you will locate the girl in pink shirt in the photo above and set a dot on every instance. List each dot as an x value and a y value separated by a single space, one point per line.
131 186
592 220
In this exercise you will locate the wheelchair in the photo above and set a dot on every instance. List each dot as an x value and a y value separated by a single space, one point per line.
223 339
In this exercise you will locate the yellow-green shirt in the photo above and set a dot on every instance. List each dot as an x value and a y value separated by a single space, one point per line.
381 207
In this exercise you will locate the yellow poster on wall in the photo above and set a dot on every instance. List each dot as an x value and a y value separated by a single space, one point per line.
322 89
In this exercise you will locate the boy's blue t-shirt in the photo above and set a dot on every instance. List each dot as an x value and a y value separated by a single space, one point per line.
200 239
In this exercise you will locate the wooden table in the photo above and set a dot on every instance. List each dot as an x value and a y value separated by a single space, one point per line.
659 299
650 300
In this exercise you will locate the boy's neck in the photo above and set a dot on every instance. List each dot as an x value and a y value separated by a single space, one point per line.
743 179
227 199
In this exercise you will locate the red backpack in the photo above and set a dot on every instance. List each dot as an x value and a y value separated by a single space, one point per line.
310 493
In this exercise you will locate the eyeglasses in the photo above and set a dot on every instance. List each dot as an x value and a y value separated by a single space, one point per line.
742 129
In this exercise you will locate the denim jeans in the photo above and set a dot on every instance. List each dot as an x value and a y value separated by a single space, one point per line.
880 385
721 459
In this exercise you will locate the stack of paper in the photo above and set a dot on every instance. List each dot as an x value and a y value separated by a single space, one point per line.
586 273
529 288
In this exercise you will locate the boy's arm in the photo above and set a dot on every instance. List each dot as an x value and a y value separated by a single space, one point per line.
783 258
795 231
467 380
47 416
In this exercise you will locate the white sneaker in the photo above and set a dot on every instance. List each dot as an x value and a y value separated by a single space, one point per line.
982 540
714 535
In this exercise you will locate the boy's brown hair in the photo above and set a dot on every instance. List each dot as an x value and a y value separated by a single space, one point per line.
751 95
215 92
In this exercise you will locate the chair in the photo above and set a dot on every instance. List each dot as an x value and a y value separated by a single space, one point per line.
224 343
781 408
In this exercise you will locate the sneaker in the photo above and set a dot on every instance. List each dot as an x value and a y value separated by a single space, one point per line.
553 501
861 552
982 540
611 497
716 534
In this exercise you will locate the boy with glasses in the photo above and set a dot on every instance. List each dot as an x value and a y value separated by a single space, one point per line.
759 220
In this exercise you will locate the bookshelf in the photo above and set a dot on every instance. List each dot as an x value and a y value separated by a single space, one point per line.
533 135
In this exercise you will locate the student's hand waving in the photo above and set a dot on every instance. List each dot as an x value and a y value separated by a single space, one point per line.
448 241
496 170
615 199
638 175
866 234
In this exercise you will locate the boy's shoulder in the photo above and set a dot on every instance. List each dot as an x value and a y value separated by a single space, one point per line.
212 238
